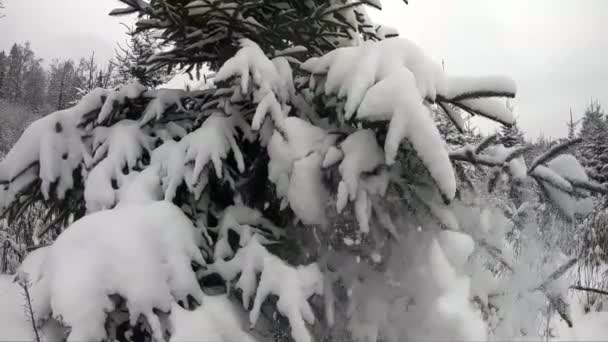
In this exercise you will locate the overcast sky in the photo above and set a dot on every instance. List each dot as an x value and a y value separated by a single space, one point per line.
556 50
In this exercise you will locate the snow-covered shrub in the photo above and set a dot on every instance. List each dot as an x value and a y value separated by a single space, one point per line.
319 188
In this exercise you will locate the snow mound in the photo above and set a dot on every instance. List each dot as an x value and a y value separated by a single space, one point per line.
186 160
141 252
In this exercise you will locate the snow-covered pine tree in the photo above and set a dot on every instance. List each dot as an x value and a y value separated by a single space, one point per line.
593 151
311 182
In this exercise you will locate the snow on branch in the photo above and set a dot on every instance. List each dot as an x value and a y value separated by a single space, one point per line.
393 80
269 82
187 160
292 285
118 150
552 153
296 157
560 175
104 137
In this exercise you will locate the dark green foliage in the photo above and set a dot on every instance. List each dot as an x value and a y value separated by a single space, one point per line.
208 31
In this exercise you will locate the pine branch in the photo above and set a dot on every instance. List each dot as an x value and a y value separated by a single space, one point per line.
485 143
588 289
552 153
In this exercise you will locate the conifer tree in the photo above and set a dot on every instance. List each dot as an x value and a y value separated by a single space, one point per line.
34 85
572 127
3 69
61 89
593 150
310 184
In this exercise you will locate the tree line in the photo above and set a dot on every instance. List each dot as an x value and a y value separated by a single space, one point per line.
25 78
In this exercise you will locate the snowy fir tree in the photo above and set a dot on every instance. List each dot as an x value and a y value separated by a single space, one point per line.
130 60
307 196
593 150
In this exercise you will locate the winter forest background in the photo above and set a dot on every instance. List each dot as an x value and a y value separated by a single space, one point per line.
289 171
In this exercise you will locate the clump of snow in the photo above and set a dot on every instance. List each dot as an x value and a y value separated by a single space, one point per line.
50 148
118 97
556 177
361 155
271 82
187 160
398 70
461 321
296 157
118 148
162 99
245 222
140 252
292 285
392 80
141 187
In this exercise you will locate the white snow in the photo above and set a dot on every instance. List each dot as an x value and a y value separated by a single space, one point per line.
54 142
141 252
459 320
217 320
490 108
391 80
293 285
556 176
116 148
162 99
188 159
118 97
463 86
295 167
15 323
410 120
568 166
270 82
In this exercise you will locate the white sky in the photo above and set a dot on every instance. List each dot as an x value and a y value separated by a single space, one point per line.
556 50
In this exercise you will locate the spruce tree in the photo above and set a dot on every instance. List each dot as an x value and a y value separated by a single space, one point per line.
310 185
62 90
34 85
3 69
593 151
